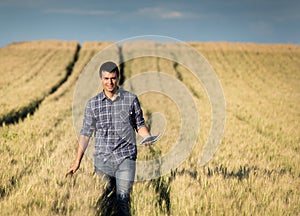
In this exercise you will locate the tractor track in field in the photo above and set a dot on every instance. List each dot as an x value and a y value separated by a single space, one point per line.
14 180
14 116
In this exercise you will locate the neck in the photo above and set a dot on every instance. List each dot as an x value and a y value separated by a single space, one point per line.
111 95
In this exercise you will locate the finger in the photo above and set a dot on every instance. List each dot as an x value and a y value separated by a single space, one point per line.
148 143
70 172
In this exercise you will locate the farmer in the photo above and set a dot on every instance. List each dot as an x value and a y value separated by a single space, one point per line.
112 117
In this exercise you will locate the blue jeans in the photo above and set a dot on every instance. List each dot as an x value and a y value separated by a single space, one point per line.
118 184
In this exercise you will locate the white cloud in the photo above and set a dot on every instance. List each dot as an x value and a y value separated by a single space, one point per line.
78 12
157 12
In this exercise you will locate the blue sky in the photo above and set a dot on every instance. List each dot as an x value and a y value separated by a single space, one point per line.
258 21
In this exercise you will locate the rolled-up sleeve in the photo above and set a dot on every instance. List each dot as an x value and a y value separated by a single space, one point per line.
89 123
138 114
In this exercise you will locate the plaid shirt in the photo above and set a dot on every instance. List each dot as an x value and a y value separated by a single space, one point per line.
113 124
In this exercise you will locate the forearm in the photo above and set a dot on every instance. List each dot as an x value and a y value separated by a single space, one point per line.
82 145
144 132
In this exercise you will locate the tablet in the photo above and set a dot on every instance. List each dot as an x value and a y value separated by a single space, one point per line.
151 139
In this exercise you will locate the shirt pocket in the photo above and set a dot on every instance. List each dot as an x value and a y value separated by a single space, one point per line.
124 116
125 121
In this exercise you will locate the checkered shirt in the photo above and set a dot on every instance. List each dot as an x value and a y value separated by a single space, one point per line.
113 124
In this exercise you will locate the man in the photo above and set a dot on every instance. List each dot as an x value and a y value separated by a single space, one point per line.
113 116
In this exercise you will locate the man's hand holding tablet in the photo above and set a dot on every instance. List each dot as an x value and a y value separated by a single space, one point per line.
149 140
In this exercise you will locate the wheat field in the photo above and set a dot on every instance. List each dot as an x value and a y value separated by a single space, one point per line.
30 72
255 170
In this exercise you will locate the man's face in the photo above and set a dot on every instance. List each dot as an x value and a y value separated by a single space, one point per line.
109 81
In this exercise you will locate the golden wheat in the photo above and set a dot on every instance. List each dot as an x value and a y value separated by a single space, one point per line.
30 71
255 171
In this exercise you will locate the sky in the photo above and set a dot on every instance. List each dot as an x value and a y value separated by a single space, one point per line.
251 21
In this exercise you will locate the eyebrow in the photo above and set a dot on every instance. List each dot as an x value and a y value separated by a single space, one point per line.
110 77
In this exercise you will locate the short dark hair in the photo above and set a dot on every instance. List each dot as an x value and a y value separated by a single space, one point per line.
110 67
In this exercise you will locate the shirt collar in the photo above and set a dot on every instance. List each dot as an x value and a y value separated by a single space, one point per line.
120 93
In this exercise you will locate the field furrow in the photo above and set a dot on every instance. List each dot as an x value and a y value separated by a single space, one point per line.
41 68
